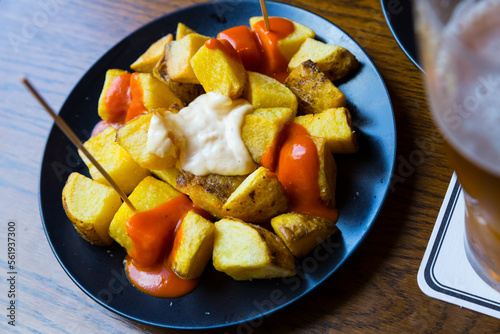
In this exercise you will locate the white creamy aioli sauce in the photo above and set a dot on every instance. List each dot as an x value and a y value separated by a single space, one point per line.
208 134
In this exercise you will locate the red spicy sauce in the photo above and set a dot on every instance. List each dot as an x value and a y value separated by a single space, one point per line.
152 233
274 64
223 45
136 106
271 155
246 43
117 98
298 170
258 48
159 280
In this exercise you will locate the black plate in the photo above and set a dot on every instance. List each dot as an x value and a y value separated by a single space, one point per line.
363 182
399 16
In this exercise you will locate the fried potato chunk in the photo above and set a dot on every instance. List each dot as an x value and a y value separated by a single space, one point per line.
147 61
261 129
335 61
245 251
335 126
263 91
90 206
301 233
193 246
315 91
289 45
187 92
209 192
220 69
133 137
116 161
104 111
179 53
182 30
327 174
147 195
155 94
259 198
168 175
125 96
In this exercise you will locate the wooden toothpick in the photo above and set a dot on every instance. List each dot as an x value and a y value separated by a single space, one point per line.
76 141
264 14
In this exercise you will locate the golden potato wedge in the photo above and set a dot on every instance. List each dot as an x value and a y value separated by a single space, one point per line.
335 126
182 30
179 53
193 246
116 161
117 113
168 175
291 43
90 206
327 174
220 69
315 91
135 94
261 129
210 191
147 195
258 198
335 61
263 91
245 251
155 94
133 137
147 61
185 91
301 233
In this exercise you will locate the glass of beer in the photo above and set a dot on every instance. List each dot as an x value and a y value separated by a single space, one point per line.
460 49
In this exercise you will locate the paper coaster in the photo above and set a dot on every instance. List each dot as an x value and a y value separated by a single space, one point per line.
445 272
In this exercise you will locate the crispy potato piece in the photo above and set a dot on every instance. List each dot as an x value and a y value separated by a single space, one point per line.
220 70
335 126
133 137
179 53
327 174
265 92
261 129
335 61
193 246
185 91
152 94
259 198
301 233
116 161
147 61
290 44
182 30
315 91
209 192
90 206
155 94
168 175
102 107
146 196
245 251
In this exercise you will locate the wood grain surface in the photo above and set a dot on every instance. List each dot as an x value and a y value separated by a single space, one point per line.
56 41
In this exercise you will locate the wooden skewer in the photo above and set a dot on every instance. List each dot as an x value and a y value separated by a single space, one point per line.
264 14
76 141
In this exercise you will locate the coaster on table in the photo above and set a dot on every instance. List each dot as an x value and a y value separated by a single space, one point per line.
445 272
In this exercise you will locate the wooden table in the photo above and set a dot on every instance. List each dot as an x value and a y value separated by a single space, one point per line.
56 41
